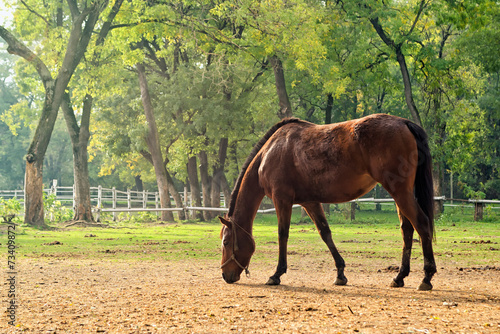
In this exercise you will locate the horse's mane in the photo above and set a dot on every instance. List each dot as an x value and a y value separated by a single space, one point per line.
252 155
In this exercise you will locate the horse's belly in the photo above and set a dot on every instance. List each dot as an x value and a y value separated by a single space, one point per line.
332 189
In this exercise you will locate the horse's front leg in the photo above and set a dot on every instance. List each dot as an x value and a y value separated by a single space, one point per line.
284 213
315 211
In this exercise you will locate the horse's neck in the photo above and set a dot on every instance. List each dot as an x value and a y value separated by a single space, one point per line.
248 201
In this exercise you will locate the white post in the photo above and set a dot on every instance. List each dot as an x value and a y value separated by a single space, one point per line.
74 197
144 199
129 203
53 190
99 203
157 204
186 203
99 197
114 202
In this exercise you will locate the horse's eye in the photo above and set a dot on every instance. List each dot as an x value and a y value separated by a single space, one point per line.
225 242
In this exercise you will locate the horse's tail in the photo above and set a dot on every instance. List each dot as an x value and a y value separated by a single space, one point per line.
424 188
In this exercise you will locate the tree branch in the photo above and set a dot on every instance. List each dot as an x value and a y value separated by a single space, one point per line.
73 8
18 48
146 155
380 31
402 66
35 13
69 117
421 8
106 27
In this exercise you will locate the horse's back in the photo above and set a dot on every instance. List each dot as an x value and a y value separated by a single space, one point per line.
331 163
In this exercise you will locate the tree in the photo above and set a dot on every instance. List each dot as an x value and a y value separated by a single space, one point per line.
80 134
153 142
30 23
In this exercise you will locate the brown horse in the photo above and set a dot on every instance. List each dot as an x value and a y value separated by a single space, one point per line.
298 162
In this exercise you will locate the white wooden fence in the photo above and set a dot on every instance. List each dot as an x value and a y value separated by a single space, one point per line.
114 201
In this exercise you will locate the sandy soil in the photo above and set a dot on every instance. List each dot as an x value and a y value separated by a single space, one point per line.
68 295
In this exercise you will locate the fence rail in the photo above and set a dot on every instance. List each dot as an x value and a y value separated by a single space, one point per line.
114 201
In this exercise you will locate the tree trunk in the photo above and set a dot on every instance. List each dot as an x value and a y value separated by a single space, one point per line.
194 185
33 200
328 120
329 109
380 100
407 86
175 194
439 128
139 186
279 78
79 141
83 209
225 190
437 179
205 183
218 173
153 142
378 206
80 135
402 66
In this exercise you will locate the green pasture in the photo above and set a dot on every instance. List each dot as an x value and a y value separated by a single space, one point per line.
373 237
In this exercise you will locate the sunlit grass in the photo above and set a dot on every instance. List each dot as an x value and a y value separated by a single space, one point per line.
373 236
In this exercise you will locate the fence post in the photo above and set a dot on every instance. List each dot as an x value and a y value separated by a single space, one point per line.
113 191
451 186
378 206
157 204
478 211
353 210
129 203
53 189
74 197
99 203
186 202
144 199
99 197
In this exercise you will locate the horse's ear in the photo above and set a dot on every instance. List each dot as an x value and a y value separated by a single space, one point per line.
224 221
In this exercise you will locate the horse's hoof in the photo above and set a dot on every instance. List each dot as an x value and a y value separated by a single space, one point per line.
425 286
397 284
340 281
273 281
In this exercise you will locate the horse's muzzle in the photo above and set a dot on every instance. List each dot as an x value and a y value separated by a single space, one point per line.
231 278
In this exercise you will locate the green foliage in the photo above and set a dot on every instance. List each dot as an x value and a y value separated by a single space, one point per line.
473 194
10 209
209 76
55 210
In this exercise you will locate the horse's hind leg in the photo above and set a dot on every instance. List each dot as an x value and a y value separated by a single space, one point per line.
409 207
407 232
315 211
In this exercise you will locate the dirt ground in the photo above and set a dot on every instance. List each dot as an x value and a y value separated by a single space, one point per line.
68 295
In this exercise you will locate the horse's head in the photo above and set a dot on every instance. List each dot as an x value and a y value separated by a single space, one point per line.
237 249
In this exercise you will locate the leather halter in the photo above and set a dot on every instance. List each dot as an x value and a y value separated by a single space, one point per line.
235 248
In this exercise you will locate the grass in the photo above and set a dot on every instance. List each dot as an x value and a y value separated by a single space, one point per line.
373 237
